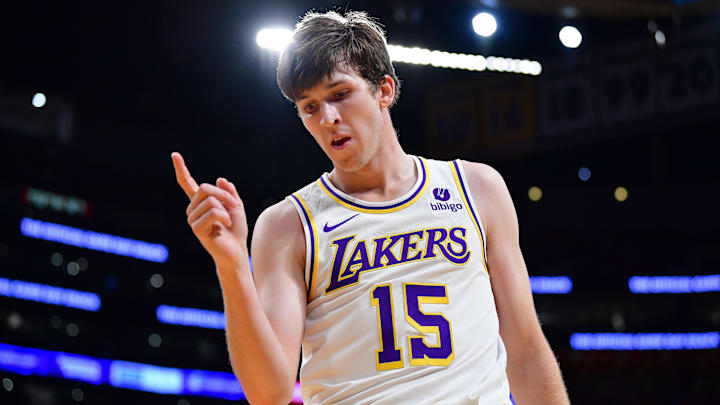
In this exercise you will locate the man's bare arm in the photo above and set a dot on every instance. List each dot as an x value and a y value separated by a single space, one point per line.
532 369
266 319
265 314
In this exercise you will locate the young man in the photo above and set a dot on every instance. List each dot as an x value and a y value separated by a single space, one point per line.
400 277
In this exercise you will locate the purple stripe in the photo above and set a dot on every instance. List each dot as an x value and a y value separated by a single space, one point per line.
341 198
312 243
467 198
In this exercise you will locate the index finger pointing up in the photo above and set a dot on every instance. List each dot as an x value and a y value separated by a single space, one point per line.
184 179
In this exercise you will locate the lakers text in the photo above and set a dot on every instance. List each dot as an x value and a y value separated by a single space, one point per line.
354 257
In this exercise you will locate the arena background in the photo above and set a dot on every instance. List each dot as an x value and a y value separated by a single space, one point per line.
619 136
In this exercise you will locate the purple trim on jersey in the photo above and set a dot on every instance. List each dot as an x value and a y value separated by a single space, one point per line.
312 243
469 203
367 207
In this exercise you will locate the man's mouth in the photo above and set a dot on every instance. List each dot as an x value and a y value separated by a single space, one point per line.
340 142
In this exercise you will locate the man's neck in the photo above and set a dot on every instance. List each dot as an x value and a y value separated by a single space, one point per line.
388 175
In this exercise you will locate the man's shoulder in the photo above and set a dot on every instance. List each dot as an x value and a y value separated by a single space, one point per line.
282 215
489 192
278 229
304 193
483 176
279 225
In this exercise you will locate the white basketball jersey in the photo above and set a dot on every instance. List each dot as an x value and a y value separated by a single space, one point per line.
400 308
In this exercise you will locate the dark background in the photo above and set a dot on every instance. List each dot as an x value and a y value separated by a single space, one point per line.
129 82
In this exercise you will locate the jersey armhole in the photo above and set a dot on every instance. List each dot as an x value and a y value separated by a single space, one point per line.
311 240
464 189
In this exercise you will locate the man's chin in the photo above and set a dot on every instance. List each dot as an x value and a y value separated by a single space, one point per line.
346 162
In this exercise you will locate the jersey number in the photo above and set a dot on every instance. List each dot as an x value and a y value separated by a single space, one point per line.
421 354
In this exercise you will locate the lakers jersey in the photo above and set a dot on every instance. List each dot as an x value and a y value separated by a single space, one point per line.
400 309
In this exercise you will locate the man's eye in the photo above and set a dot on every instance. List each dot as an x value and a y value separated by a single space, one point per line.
341 94
309 108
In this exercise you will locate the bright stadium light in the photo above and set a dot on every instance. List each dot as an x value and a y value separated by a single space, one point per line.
584 173
570 36
450 60
674 284
645 341
119 373
48 294
277 39
535 193
274 38
660 38
484 24
550 284
202 318
103 242
38 100
621 194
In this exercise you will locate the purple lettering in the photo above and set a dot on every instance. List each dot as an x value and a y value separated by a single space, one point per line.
362 260
381 250
335 281
463 255
434 240
407 245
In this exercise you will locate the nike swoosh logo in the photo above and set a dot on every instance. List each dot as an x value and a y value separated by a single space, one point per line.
327 228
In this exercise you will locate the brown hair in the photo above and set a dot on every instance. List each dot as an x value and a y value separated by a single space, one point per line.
323 40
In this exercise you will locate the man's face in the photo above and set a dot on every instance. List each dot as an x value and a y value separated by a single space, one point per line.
344 116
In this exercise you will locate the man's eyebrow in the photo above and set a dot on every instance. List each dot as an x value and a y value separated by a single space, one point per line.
328 86
335 83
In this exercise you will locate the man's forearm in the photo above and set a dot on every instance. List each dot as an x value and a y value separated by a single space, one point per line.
256 354
537 379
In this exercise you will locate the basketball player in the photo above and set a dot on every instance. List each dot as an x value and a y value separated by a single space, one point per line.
400 277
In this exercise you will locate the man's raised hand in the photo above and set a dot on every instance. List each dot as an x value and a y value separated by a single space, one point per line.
216 216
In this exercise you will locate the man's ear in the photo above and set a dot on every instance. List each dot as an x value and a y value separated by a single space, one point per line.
387 91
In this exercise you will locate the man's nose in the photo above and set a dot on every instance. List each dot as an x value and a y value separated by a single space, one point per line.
330 115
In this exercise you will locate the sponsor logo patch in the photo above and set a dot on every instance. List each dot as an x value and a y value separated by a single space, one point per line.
441 194
443 203
440 206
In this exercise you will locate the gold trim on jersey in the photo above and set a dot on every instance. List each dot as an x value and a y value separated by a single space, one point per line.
425 179
471 213
312 278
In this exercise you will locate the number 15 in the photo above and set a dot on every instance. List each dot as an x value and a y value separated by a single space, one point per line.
389 356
